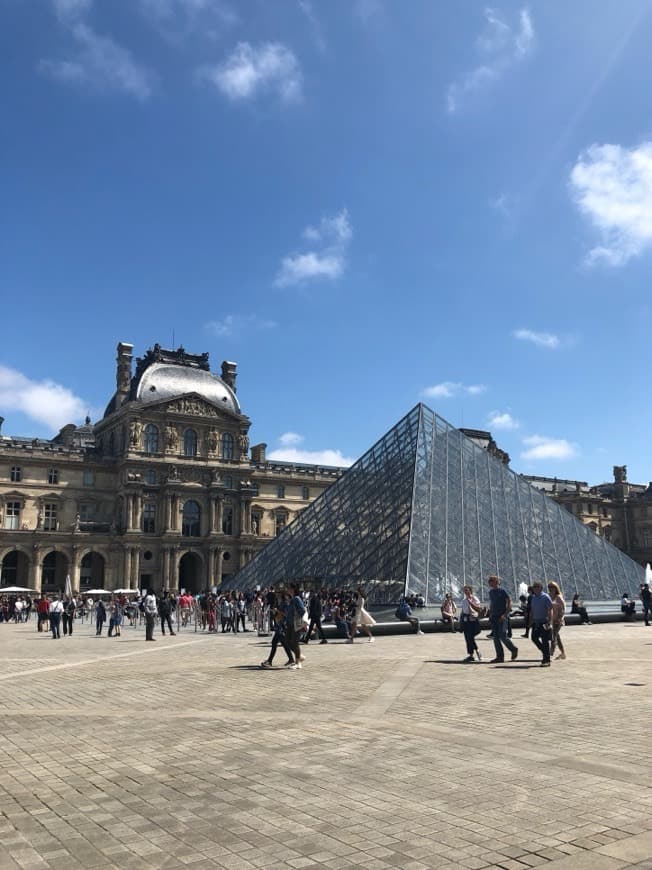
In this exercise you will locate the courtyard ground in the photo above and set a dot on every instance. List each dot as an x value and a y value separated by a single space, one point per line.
119 753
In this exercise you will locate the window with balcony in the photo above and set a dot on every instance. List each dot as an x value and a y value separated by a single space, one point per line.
191 520
12 515
50 517
149 518
281 522
190 443
150 441
228 446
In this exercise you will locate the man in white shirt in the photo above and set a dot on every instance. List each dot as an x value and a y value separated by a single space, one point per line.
151 609
56 609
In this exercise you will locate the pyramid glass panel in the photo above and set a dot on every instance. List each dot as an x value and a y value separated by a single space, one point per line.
426 510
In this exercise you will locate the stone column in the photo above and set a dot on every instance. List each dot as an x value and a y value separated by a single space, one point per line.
126 568
138 507
135 568
165 578
129 511
220 513
75 568
35 568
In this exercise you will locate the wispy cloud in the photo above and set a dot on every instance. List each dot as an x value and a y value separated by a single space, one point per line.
541 339
235 325
251 71
502 420
542 447
98 61
289 439
450 389
612 187
316 28
327 258
178 19
369 11
43 401
501 46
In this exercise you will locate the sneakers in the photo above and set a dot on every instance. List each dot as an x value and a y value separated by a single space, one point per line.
545 664
419 632
289 665
297 667
496 661
371 640
323 641
266 664
467 660
514 655
292 667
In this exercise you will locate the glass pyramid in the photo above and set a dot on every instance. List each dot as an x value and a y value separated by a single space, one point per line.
426 510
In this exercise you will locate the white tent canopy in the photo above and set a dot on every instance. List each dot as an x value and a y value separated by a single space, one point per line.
96 592
15 589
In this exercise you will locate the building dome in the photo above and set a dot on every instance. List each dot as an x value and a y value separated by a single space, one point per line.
163 381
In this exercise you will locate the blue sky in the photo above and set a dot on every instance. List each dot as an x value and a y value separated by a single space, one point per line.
364 203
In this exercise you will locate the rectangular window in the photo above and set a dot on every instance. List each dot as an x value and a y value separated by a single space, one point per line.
50 517
89 478
590 507
86 513
305 493
228 482
53 475
280 492
149 518
12 515
281 522
16 474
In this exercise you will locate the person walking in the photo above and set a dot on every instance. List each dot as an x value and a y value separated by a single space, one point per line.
558 611
315 612
100 617
68 615
165 613
280 637
151 609
43 613
470 622
56 609
541 622
646 601
500 605
294 623
361 618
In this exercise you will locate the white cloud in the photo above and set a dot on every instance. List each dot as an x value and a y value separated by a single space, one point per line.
289 438
99 61
331 240
311 457
541 339
612 186
43 401
250 71
502 420
234 325
541 447
450 389
503 45
316 28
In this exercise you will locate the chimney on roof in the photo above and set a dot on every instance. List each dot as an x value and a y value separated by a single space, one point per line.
229 375
258 453
123 373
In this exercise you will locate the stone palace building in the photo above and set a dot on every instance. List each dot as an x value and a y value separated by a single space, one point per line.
163 491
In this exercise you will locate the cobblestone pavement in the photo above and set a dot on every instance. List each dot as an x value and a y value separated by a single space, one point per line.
118 753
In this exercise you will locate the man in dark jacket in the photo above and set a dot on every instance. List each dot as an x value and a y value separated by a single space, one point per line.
165 612
315 614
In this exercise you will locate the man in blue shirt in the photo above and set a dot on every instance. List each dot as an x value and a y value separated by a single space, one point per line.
500 605
541 618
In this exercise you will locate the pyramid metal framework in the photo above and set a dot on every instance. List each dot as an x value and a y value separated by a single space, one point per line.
426 510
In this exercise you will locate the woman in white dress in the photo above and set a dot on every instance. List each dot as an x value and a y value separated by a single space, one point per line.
361 619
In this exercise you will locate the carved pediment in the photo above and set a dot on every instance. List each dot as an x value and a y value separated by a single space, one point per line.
193 406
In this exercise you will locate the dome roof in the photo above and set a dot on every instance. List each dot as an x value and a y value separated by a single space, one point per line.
161 381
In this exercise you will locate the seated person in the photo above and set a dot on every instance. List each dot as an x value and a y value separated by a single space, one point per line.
627 606
577 606
449 610
404 613
342 623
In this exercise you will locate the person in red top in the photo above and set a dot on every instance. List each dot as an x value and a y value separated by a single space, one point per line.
43 611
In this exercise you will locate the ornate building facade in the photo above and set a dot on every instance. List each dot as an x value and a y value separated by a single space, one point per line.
163 491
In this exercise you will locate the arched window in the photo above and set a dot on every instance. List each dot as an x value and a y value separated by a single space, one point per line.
150 442
190 443
227 446
190 525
